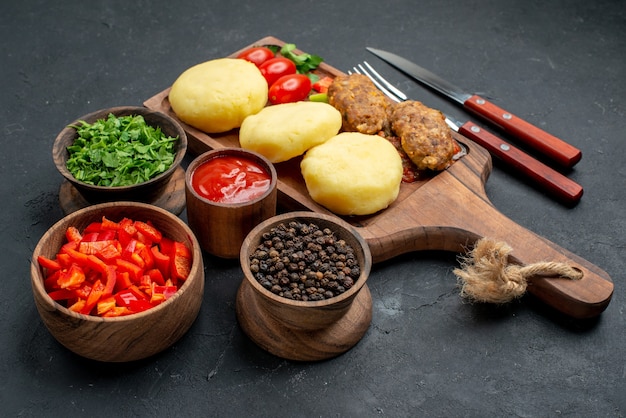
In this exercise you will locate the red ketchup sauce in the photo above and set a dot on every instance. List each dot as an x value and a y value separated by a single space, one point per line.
230 179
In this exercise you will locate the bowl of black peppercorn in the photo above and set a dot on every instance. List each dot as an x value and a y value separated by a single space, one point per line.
304 294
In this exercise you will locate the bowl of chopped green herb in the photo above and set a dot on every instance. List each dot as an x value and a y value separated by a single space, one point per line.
120 153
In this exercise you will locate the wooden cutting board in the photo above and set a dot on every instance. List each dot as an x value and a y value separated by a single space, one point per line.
449 211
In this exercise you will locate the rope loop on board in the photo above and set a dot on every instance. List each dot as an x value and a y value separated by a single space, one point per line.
485 274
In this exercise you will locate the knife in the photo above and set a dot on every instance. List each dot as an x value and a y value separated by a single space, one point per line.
562 187
556 149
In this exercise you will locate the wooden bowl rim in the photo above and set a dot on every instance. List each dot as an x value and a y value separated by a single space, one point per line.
216 153
37 277
61 158
343 227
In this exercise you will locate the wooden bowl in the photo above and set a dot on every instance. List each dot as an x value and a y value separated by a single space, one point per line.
305 330
125 338
147 191
222 227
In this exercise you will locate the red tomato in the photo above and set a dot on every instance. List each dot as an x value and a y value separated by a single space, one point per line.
277 67
290 88
257 55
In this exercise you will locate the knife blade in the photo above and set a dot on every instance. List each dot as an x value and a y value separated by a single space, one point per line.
556 149
550 180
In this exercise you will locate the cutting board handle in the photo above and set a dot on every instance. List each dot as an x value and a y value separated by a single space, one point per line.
451 213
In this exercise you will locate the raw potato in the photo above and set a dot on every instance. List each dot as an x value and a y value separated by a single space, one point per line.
285 131
353 173
217 95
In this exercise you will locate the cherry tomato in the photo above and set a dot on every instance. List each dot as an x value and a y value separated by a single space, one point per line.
290 88
275 68
257 55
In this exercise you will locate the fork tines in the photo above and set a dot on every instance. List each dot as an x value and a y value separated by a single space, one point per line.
380 82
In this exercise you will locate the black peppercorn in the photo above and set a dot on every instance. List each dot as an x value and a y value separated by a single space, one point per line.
304 262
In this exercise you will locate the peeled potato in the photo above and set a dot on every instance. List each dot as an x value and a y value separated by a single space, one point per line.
217 95
284 131
353 173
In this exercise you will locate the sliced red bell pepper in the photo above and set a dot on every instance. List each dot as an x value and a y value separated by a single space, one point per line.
133 293
83 291
77 257
124 297
96 264
180 261
157 298
107 234
73 234
145 285
147 257
162 293
149 231
115 268
322 85
129 248
122 281
131 268
72 278
78 305
167 291
64 260
126 231
117 311
141 305
128 225
62 294
156 276
109 224
89 237
161 261
93 298
109 253
166 246
51 282
70 245
93 227
111 280
137 260
94 247
49 264
105 304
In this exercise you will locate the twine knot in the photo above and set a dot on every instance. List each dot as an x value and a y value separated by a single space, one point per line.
486 275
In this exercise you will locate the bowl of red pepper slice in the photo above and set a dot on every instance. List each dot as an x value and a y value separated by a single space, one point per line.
123 153
119 281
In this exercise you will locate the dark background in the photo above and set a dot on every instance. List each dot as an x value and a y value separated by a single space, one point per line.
559 64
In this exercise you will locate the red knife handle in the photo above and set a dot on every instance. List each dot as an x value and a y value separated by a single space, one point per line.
556 149
549 179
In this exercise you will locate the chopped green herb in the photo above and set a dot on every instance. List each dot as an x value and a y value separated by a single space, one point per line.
119 151
305 63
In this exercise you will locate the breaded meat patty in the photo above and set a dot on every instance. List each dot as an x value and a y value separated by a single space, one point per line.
424 134
363 107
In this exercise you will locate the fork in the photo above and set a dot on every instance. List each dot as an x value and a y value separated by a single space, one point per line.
563 188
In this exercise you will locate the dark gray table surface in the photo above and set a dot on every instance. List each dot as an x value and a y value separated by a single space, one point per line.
559 64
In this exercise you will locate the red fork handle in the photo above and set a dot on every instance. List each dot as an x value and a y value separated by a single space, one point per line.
547 178
556 149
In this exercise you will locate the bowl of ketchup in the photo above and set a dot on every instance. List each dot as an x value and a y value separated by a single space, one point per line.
228 191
